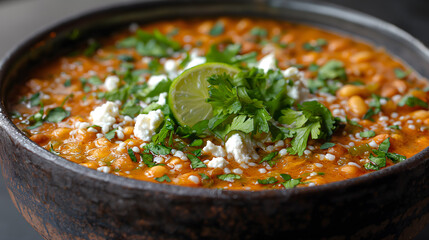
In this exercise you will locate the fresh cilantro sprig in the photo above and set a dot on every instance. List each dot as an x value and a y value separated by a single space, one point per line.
313 119
229 55
153 44
412 101
375 107
377 159
329 78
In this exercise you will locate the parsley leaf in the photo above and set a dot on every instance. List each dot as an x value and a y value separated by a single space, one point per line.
289 181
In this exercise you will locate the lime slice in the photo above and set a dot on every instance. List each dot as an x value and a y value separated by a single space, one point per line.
189 91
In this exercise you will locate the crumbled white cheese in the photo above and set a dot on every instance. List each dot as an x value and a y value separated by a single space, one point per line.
268 62
217 162
213 149
104 169
241 150
283 152
170 67
146 124
298 91
162 99
155 79
105 115
181 155
195 60
111 83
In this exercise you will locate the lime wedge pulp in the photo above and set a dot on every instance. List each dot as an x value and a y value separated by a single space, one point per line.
189 91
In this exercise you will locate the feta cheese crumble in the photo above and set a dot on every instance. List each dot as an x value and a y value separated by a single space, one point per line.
146 124
268 62
241 150
105 115
111 83
211 148
217 162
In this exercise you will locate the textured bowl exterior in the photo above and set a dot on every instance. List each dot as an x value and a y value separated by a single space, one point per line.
63 200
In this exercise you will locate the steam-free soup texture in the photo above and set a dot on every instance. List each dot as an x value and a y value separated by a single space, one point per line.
294 106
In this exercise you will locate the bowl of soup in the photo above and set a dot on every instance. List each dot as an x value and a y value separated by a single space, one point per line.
217 119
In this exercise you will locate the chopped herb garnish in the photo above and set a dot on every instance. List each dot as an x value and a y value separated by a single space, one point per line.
313 119
196 162
327 145
329 78
399 73
94 80
57 115
316 46
396 127
196 143
67 83
197 152
230 177
269 158
35 99
157 149
217 29
270 180
378 157
375 107
147 159
259 32
51 149
289 181
151 44
412 101
110 134
353 123
132 155
126 58
313 67
367 134
204 176
164 178
229 55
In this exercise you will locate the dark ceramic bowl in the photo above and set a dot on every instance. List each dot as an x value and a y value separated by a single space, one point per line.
63 200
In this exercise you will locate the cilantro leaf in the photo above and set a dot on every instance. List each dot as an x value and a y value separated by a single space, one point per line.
217 29
329 78
164 178
313 120
196 162
316 46
367 134
153 44
289 181
110 134
412 101
147 159
230 177
204 176
327 145
269 158
157 149
166 130
375 107
196 143
270 180
132 155
57 115
229 55
399 73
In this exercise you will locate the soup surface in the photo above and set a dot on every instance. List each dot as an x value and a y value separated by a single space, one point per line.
231 103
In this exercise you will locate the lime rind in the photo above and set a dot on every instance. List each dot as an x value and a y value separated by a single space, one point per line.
189 91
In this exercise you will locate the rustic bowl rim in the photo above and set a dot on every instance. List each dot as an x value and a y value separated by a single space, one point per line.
327 9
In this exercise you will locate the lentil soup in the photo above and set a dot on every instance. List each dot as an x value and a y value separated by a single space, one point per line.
292 106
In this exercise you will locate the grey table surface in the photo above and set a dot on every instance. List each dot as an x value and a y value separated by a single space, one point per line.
19 19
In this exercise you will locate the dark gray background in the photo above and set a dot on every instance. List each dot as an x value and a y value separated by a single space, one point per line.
21 18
